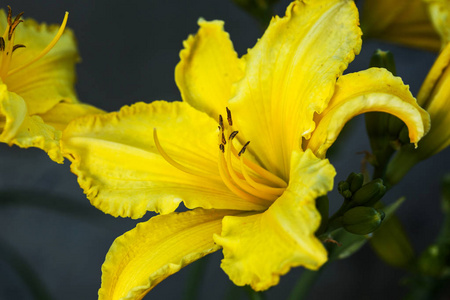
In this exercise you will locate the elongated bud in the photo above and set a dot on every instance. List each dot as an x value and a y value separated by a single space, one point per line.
355 180
344 189
383 59
370 193
362 220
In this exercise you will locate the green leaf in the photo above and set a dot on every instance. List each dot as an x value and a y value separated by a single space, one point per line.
390 242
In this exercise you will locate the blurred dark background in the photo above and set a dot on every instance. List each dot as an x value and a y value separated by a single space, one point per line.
129 51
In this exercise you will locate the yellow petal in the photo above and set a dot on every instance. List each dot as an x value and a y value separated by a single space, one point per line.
208 68
51 79
370 90
18 128
144 256
122 172
435 74
62 113
404 22
259 248
290 75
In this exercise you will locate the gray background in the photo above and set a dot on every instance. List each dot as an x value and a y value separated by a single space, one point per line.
129 52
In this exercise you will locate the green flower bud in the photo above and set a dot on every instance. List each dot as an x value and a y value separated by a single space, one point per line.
355 180
362 220
383 59
370 193
344 189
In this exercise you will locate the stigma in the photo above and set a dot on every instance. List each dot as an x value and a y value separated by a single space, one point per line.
7 46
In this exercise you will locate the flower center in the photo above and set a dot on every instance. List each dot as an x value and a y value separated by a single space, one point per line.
242 176
7 46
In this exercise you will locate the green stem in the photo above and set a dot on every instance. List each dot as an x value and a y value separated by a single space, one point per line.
305 283
254 295
195 279
25 271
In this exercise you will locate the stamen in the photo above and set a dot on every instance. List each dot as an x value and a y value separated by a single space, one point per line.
222 148
224 141
221 122
233 135
243 149
263 188
47 49
14 24
8 18
230 120
17 47
2 44
261 171
242 183
229 184
174 163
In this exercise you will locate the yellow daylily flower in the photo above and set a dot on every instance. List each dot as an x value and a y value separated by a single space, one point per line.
256 200
37 76
406 22
434 96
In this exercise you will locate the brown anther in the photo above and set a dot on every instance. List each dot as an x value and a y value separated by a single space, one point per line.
230 120
13 27
243 148
13 24
17 47
221 121
2 44
222 148
233 135
8 18
224 141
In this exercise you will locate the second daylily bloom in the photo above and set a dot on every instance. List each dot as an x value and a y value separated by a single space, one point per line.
406 22
37 76
434 96
256 200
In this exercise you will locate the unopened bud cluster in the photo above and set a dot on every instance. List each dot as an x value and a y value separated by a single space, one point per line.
359 217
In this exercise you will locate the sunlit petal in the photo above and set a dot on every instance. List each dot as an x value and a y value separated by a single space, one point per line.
370 90
259 248
61 114
141 258
290 74
208 68
122 172
18 128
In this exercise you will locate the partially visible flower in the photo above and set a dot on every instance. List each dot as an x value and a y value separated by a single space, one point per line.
439 11
434 96
287 97
406 22
37 76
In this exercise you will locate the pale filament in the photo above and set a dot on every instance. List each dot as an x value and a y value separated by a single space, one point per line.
261 171
241 182
173 162
224 174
